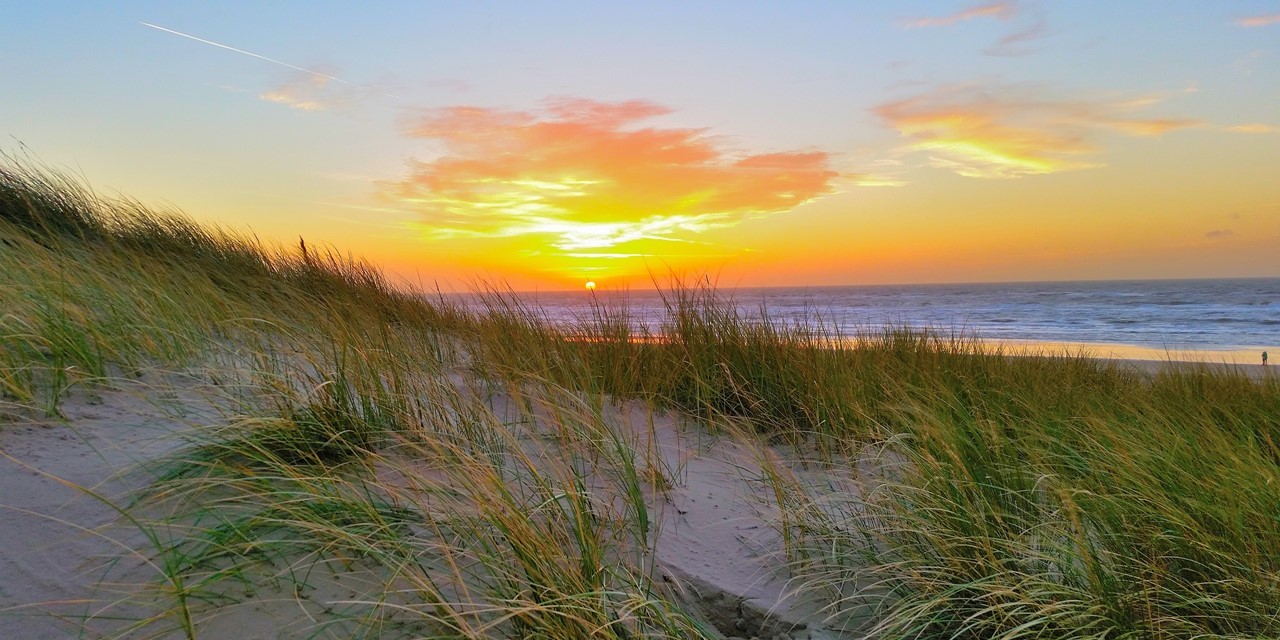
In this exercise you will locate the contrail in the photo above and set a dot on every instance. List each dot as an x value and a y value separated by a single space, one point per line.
247 53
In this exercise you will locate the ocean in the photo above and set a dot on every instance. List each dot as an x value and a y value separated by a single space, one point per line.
1223 319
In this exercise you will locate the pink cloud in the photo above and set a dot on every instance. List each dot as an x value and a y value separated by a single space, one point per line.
1001 10
1260 20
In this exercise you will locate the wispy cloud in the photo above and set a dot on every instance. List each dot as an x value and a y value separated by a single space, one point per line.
306 92
876 180
869 172
1219 234
1015 43
1264 20
1146 128
1253 128
1012 44
585 177
1002 10
317 92
1007 132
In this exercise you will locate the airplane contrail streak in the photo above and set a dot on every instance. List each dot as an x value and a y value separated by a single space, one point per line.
247 53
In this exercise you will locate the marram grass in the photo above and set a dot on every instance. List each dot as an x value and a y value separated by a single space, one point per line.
971 493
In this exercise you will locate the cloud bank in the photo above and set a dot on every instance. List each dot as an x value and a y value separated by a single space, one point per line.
582 175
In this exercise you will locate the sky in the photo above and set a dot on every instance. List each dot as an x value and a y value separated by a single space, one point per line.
542 145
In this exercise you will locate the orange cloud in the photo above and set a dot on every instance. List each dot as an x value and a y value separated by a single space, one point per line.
1002 133
582 178
1002 10
1149 128
304 91
1259 21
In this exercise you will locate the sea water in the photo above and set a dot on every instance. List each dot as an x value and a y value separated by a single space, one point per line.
1200 319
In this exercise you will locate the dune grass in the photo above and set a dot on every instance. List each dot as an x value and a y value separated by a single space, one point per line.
971 492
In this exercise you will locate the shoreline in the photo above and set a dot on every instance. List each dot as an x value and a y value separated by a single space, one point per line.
1153 361
1236 356
1147 358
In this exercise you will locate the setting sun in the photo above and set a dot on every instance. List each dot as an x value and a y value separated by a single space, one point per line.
591 285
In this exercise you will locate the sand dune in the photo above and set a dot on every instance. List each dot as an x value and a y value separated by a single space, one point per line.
72 566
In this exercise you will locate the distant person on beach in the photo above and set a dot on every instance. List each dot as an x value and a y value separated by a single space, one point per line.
1264 358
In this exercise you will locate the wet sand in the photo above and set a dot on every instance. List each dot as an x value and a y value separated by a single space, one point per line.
1151 360
1154 367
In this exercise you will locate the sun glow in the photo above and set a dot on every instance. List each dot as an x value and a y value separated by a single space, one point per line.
585 177
591 285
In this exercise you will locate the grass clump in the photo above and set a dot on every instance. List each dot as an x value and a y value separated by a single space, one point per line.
1142 517
513 532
